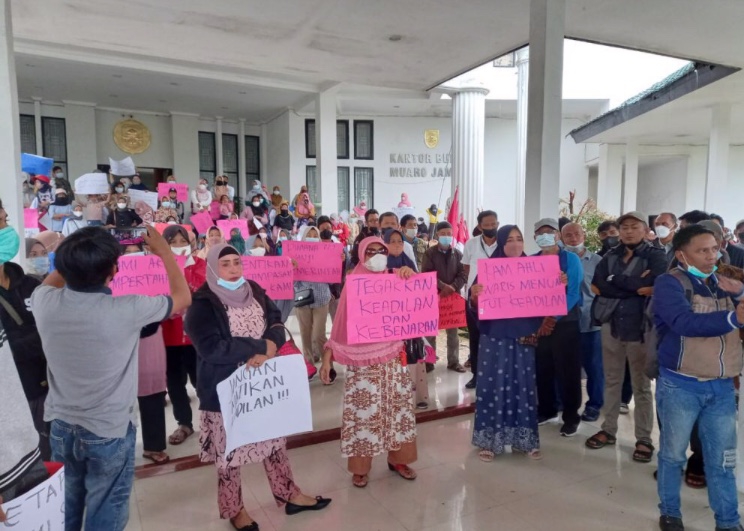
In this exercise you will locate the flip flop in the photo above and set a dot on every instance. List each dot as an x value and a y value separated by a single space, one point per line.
164 458
360 481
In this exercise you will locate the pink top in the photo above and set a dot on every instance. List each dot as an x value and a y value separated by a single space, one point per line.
151 364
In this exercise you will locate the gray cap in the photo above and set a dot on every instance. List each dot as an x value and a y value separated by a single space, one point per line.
633 214
547 222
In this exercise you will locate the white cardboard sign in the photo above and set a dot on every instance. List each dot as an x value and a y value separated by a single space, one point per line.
40 508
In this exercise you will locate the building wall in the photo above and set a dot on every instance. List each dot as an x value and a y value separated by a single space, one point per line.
661 186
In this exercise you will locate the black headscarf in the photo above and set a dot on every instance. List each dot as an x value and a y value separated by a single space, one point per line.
396 262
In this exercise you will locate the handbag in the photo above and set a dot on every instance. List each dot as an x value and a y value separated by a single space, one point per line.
415 350
289 348
303 297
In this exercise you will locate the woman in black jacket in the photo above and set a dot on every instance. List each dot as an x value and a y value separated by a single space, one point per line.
233 322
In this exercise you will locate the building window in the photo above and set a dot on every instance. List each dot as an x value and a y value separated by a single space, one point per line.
252 158
342 139
344 197
364 145
28 134
207 156
311 180
230 160
54 140
364 186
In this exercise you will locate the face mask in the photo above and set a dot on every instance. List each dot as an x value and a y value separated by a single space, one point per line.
577 249
256 204
141 253
282 238
490 233
60 175
326 234
202 187
119 189
77 213
445 241
121 206
171 222
9 244
181 251
377 263
39 265
165 204
312 239
411 233
171 180
662 231
545 240
285 212
258 251
611 241
232 286
694 271
276 192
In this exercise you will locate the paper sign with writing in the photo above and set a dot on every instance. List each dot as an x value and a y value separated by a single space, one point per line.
92 183
272 273
43 507
123 167
149 198
182 191
226 225
404 211
521 287
452 312
386 308
266 402
142 275
160 227
316 261
202 222
30 218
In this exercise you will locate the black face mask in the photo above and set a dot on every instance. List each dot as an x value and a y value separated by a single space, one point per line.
285 212
326 234
373 231
611 241
490 233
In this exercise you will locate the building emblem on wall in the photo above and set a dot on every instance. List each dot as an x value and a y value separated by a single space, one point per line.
431 138
132 136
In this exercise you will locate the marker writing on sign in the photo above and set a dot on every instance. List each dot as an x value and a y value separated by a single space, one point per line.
257 388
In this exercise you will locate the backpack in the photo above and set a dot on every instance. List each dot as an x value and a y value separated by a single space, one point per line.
650 338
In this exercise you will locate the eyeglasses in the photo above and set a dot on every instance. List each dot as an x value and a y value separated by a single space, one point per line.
372 252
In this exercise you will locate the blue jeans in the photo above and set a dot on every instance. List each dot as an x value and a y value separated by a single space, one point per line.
680 403
99 474
591 359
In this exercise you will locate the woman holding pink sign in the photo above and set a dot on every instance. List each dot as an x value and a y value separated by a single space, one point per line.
378 396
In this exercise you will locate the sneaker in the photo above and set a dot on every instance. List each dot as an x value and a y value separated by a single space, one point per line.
422 405
670 523
589 415
569 430
541 421
471 384
624 409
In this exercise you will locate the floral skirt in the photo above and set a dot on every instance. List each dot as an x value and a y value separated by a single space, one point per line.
378 412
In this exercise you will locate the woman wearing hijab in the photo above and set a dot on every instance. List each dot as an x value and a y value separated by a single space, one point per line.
237 241
123 217
304 209
506 410
361 209
137 183
259 189
255 211
220 189
166 210
404 202
233 322
283 220
276 198
76 221
201 198
214 237
60 210
378 412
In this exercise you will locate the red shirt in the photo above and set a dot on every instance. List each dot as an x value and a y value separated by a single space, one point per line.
173 332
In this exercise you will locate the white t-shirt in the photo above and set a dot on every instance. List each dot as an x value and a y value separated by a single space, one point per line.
476 249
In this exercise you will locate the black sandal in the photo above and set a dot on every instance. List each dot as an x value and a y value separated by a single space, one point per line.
595 442
643 456
695 480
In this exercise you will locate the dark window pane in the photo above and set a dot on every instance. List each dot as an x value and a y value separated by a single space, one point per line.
252 157
343 188
311 179
342 139
230 153
207 155
54 139
364 186
28 134
310 139
363 139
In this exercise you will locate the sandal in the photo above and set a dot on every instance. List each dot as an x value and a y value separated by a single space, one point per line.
600 440
643 456
695 481
159 458
534 454
486 456
404 471
360 481
181 434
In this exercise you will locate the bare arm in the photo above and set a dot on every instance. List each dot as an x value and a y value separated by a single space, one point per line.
179 288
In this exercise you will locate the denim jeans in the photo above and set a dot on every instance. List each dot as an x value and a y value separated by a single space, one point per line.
681 403
99 473
591 359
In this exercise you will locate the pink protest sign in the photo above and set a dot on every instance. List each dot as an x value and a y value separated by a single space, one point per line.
30 218
160 227
272 273
521 287
226 225
202 221
142 275
182 191
316 261
387 308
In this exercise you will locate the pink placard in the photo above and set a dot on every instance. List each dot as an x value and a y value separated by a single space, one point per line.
272 273
452 312
316 261
160 227
182 191
384 307
30 218
521 287
226 225
202 221
142 275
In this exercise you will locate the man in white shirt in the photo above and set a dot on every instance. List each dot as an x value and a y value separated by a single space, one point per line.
477 248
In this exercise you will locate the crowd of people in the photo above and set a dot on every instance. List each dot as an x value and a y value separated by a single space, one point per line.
656 302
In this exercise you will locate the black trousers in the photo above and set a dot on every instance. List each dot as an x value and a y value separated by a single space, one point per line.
558 359
474 334
180 367
152 414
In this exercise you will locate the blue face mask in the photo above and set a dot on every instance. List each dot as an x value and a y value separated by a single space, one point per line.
445 241
694 271
231 285
9 244
545 240
312 239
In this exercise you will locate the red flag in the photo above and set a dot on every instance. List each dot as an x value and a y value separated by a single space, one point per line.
454 215
463 233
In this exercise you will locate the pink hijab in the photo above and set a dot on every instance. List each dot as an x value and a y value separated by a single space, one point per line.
302 208
361 209
360 355
404 202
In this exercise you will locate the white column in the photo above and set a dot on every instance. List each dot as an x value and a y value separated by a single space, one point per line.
696 176
185 130
630 188
218 146
543 156
37 126
716 188
10 132
80 125
468 144
523 78
610 179
263 159
326 150
242 185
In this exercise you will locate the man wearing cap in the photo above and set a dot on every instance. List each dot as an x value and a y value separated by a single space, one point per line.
623 281
557 357
175 203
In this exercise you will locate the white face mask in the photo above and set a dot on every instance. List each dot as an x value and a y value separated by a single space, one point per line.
119 189
277 192
60 175
165 204
377 263
121 206
181 251
141 253
202 187
171 222
256 204
545 241
411 233
258 251
77 213
662 231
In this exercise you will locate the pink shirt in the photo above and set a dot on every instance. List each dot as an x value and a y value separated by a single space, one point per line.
151 364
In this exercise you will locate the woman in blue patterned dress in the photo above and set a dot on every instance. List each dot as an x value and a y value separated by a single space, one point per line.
506 407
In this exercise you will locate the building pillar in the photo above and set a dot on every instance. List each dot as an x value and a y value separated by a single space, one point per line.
326 150
80 125
630 188
716 187
544 120
10 133
185 131
263 160
523 78
242 184
610 179
37 126
468 145
218 146
696 176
